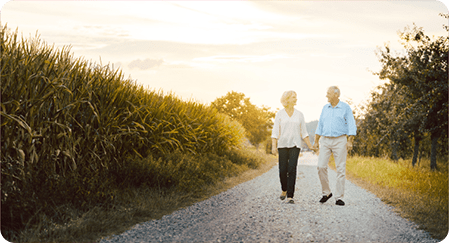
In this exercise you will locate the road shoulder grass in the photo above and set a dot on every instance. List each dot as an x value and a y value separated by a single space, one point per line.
131 206
164 203
417 193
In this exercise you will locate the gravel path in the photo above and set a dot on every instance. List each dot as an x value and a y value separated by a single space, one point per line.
253 212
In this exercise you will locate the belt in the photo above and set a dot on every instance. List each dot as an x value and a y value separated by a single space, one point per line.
344 135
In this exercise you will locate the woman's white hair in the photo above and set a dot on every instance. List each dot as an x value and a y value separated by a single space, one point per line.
285 96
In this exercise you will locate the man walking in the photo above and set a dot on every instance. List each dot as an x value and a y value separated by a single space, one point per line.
335 124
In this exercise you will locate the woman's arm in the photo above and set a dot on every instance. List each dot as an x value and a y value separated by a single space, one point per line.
274 149
275 134
307 140
315 143
303 131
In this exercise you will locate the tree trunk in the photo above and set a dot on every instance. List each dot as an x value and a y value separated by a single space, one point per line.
420 156
433 151
376 153
394 153
416 150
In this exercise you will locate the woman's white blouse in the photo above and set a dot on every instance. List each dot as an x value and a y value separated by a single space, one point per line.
289 130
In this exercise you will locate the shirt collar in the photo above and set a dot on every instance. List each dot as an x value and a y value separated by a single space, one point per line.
338 105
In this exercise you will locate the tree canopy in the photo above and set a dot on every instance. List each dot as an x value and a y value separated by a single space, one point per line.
257 121
414 103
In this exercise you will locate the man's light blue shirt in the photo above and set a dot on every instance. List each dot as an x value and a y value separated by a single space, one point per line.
336 121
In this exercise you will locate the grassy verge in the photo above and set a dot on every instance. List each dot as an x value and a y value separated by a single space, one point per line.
131 206
417 193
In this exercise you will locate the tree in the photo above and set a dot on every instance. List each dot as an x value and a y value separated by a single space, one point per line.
422 72
382 130
256 121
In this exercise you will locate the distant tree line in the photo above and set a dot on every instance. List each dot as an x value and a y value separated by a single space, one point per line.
408 115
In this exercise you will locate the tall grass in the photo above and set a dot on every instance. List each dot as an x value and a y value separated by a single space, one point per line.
71 128
419 193
136 204
184 171
401 175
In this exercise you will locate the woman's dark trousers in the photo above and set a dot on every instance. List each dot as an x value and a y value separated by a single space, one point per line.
288 161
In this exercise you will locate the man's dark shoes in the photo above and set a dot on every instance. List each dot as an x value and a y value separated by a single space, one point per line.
325 198
339 202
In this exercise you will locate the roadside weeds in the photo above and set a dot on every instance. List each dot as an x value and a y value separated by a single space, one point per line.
415 201
132 206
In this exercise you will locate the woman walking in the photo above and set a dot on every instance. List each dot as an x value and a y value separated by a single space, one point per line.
288 130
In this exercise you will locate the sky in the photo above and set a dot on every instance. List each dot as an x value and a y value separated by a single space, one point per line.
201 50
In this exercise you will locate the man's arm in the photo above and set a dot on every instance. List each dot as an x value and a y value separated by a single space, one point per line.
318 130
352 127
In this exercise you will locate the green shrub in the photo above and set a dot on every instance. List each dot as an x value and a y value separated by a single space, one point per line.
185 171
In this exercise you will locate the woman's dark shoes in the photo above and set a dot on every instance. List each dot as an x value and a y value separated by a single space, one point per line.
283 195
325 198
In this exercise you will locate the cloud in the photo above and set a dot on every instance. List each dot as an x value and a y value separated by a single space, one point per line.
239 58
179 65
145 64
117 65
102 31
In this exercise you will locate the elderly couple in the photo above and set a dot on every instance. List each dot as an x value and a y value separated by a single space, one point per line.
336 128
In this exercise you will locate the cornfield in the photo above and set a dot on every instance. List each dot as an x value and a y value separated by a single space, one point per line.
67 124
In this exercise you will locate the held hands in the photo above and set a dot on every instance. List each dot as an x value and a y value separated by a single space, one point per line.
315 148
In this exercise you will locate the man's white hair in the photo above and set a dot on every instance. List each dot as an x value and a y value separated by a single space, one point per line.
335 90
285 96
